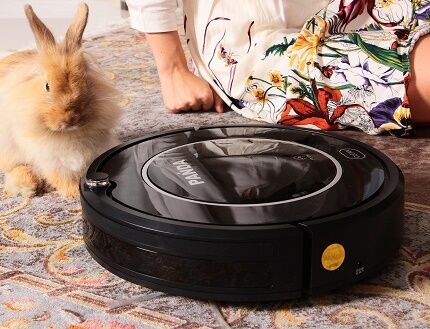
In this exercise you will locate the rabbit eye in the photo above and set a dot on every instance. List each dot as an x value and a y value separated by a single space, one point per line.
47 86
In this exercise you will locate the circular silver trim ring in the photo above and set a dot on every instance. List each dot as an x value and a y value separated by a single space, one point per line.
325 188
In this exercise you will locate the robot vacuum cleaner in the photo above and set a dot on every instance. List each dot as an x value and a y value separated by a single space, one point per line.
243 213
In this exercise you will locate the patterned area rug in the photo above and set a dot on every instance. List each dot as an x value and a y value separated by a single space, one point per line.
48 280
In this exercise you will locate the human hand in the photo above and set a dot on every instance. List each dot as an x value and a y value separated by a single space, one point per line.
183 91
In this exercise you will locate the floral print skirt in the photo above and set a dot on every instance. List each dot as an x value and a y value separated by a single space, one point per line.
347 66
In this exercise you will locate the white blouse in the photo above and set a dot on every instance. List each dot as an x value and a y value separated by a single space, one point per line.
154 16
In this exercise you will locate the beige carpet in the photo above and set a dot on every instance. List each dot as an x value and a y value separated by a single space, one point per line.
48 280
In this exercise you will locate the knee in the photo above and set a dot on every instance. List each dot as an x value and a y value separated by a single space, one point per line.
419 87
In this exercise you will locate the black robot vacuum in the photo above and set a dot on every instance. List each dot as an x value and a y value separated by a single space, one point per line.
243 213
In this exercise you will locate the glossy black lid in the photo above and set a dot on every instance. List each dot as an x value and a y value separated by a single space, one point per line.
241 171
242 175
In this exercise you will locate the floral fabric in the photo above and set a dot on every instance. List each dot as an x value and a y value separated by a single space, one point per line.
347 67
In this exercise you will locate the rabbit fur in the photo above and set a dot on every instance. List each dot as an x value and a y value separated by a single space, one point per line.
57 111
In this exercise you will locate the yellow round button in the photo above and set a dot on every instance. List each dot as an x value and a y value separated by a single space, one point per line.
333 257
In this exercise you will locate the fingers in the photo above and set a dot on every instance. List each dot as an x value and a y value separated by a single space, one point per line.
173 109
208 102
218 102
184 106
196 96
196 106
201 102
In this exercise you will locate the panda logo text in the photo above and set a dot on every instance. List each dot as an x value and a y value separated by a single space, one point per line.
184 169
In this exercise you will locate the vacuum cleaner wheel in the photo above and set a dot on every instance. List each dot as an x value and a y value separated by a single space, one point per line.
243 213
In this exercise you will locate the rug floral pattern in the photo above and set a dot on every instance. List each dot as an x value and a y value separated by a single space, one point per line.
48 280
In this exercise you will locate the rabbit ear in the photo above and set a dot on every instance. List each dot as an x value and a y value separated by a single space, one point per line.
73 38
44 37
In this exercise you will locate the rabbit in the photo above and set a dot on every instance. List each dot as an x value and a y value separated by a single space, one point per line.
57 111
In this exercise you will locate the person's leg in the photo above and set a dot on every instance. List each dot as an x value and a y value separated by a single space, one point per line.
419 88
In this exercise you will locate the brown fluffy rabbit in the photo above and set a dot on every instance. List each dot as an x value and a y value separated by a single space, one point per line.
57 111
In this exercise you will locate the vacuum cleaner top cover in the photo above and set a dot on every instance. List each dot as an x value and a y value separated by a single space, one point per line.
249 175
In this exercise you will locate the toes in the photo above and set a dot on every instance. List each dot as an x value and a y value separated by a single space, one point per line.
26 192
21 181
68 190
67 186
71 191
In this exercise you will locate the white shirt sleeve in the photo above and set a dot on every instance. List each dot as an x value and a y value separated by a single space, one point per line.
152 16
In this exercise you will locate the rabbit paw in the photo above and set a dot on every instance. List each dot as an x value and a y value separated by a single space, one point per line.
70 191
66 186
22 181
